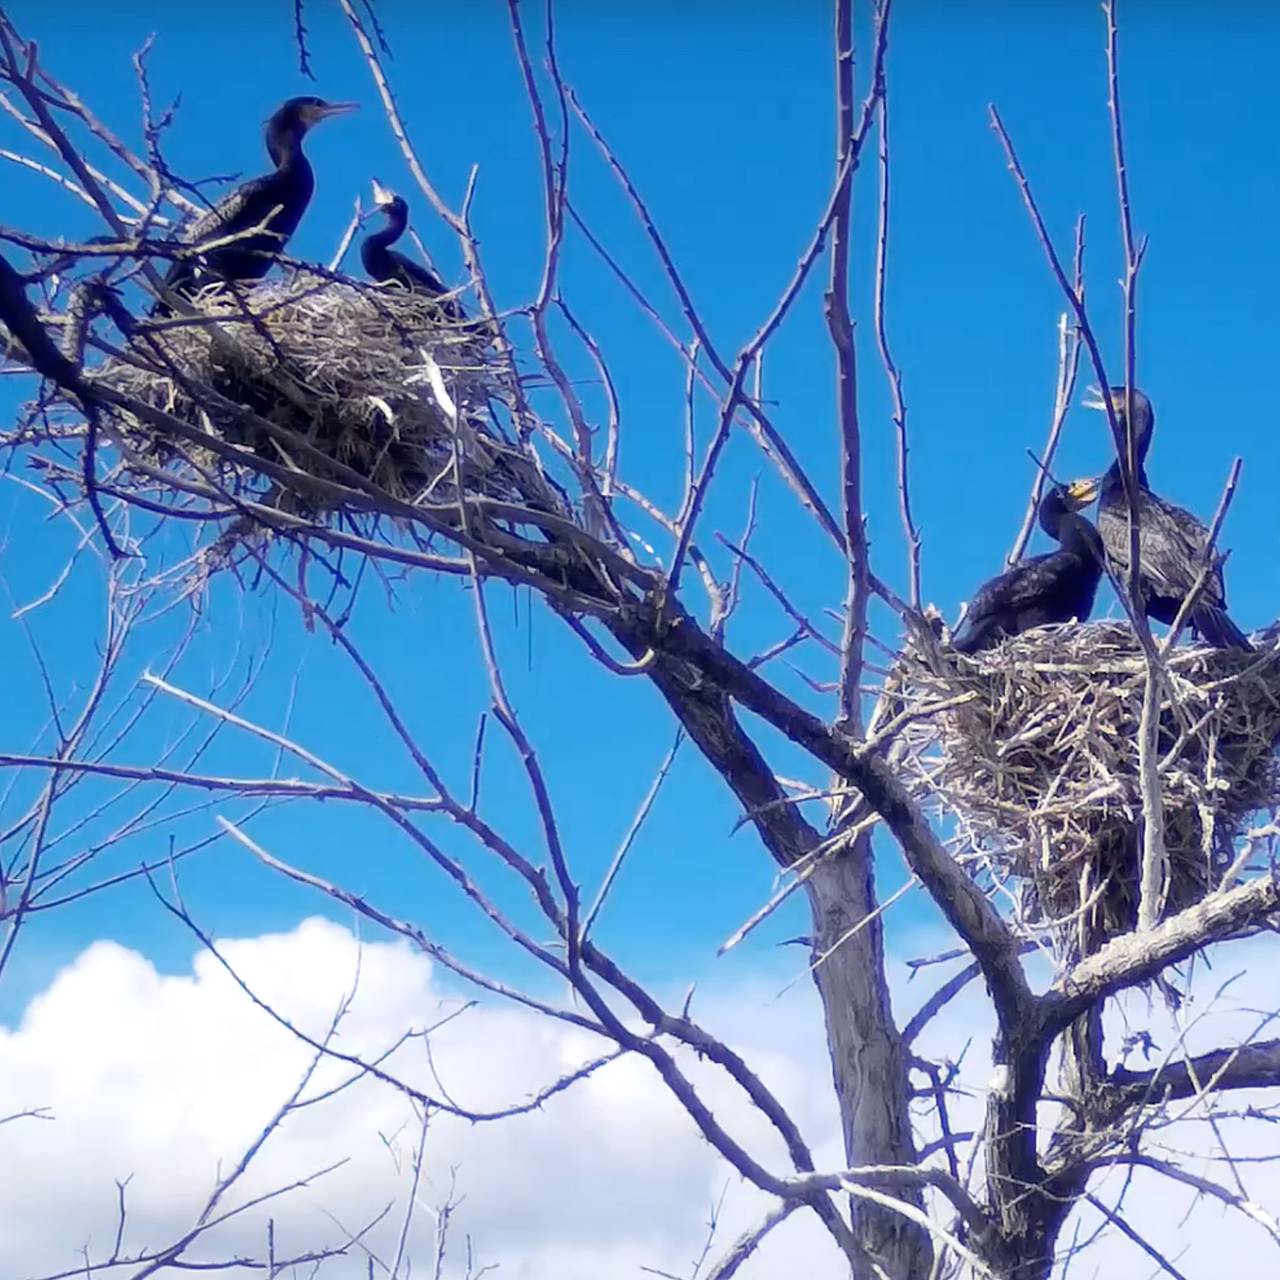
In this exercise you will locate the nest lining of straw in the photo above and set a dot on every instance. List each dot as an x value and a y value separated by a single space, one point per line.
348 369
1038 765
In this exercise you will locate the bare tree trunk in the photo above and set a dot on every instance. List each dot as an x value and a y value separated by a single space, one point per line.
867 1058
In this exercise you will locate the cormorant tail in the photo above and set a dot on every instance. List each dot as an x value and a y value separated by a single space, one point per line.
1216 628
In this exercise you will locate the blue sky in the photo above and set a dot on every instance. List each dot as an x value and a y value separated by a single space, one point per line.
723 115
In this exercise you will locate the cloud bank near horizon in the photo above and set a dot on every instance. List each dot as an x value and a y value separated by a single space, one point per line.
165 1080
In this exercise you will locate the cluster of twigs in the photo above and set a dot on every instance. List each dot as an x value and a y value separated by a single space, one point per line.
1035 756
378 380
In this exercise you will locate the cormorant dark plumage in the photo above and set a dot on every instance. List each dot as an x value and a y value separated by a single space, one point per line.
385 264
276 202
1054 587
1172 542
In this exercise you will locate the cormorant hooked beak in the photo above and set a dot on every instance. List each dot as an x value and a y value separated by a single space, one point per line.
1093 400
1082 493
382 195
314 113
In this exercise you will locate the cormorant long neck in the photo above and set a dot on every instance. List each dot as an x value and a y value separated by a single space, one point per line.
294 179
1067 527
1077 535
397 218
1053 510
284 143
1145 421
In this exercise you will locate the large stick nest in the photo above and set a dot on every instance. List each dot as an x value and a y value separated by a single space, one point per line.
1037 761
348 369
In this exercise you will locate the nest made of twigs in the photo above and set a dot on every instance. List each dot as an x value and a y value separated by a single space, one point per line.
346 367
1037 760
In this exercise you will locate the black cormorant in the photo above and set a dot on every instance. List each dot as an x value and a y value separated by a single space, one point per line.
385 264
1171 548
275 202
1054 587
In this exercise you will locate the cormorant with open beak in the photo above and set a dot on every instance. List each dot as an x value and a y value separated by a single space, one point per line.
385 264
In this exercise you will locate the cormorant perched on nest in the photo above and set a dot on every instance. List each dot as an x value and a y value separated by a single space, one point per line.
1172 542
274 202
385 264
1054 587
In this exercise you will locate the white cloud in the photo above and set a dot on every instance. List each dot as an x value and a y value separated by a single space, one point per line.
168 1078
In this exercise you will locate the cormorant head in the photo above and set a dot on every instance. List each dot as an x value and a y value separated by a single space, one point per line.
293 118
1119 397
1081 493
1143 414
307 110
386 200
1064 499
